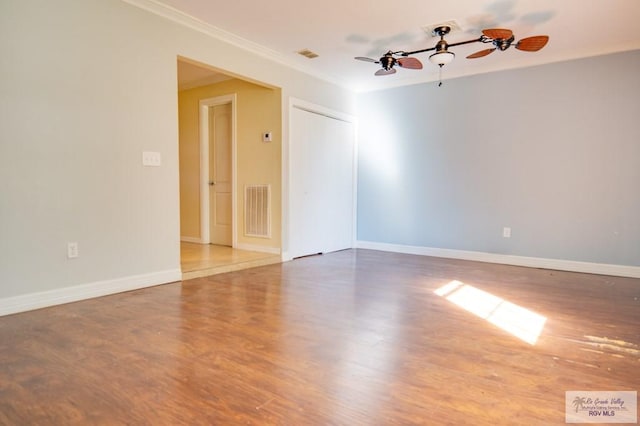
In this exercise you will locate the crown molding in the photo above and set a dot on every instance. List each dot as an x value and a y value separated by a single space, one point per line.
189 21
181 18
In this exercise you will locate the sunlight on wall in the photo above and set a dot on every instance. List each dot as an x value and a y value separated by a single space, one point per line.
381 151
520 322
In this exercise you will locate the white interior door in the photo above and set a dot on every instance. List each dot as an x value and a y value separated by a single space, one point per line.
220 183
321 183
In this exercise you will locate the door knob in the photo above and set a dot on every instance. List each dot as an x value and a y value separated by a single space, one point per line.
211 183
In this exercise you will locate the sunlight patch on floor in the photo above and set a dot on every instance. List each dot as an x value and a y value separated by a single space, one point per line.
604 344
514 319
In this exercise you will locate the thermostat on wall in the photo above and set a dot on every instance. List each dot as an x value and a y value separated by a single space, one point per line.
266 137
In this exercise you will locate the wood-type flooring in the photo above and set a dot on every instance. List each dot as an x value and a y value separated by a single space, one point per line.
356 337
202 260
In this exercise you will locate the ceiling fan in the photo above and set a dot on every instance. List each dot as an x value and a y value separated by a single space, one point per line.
388 61
501 39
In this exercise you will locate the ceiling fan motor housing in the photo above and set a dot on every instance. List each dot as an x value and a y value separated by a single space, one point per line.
441 46
387 62
503 44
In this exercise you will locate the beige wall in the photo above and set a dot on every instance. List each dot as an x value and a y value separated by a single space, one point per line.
258 110
71 168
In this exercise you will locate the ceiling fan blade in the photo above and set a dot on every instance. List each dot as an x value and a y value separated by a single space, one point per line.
362 58
532 44
411 63
497 33
481 53
385 72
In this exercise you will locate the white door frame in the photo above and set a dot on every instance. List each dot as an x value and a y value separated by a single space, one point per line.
205 104
286 168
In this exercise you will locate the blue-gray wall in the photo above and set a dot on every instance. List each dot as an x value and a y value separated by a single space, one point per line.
552 152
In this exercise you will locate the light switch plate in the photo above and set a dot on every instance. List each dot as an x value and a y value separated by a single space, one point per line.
72 250
151 158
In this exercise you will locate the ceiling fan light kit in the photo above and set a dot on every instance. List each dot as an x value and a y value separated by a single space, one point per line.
500 38
442 58
442 55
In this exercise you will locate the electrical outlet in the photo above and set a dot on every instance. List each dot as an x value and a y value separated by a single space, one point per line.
506 232
150 158
72 250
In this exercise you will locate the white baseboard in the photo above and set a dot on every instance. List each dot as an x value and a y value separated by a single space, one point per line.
191 240
532 262
31 301
261 249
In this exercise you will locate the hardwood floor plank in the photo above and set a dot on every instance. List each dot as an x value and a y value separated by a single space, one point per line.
357 337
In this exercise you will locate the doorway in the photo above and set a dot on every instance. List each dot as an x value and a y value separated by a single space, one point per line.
215 251
212 237
220 181
218 170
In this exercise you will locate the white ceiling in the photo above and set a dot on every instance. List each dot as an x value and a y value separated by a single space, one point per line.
340 30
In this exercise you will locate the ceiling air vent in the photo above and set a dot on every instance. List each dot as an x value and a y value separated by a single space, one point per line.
307 53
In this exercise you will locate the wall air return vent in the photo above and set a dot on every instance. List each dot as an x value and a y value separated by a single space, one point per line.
257 211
